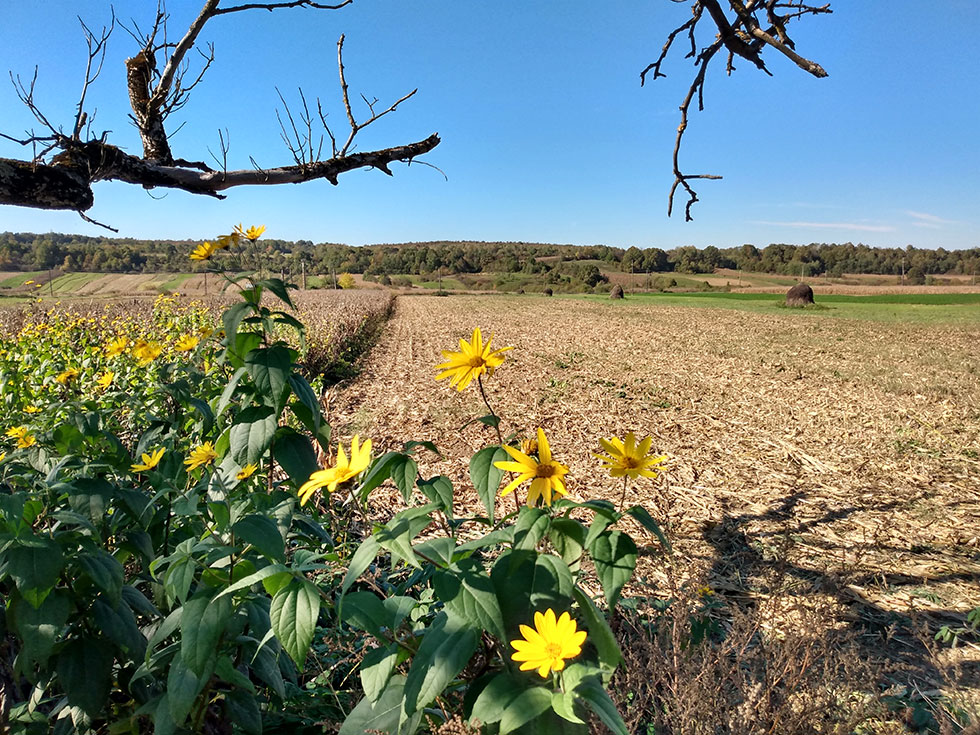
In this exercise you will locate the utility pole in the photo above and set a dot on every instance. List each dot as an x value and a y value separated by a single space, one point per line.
903 270
303 264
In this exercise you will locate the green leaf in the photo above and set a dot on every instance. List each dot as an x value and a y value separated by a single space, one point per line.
38 628
485 477
105 571
279 287
448 644
243 709
118 624
201 625
592 692
359 562
232 317
240 345
410 446
229 392
307 398
397 534
84 669
252 434
532 526
614 554
404 472
529 704
646 520
600 523
35 565
262 533
563 703
183 686
365 611
269 369
397 466
567 535
600 634
491 703
440 491
438 551
526 582
378 472
294 612
261 575
386 715
506 698
469 593
376 669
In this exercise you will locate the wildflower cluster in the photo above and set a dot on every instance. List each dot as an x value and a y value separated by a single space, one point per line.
174 548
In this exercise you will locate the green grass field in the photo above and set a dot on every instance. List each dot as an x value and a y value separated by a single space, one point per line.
952 308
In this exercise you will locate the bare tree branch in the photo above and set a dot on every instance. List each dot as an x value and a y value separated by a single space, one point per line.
65 181
742 36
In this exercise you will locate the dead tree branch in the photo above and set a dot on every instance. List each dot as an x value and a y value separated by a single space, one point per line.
61 176
738 29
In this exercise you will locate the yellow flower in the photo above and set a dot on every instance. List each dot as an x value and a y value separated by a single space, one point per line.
544 473
15 432
25 440
252 233
28 282
473 360
187 342
205 332
146 352
116 347
629 459
150 461
66 376
105 379
246 472
227 241
32 409
3 456
549 643
201 455
204 251
344 470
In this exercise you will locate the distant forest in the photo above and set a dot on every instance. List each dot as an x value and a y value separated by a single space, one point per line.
76 253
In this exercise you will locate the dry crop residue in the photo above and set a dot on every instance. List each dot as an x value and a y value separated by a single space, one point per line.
847 449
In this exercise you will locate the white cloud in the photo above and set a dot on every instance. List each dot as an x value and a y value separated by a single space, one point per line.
929 219
830 225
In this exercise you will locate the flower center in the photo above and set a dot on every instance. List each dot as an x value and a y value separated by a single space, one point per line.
630 462
544 470
553 650
477 361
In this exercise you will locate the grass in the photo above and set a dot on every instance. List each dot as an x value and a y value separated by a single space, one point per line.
20 279
953 308
72 282
173 284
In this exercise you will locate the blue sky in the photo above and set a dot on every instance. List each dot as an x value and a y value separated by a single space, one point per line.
546 133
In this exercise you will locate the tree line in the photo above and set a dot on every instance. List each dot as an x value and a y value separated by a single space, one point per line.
78 253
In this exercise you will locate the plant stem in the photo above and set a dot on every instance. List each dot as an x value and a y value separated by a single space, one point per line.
622 500
500 437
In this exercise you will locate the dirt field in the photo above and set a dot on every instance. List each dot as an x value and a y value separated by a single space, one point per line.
848 452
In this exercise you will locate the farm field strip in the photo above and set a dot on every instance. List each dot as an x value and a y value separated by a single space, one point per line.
851 445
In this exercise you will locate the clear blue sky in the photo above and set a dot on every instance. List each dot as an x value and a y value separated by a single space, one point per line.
547 134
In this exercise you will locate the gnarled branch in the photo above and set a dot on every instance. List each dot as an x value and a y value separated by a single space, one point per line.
743 36
65 181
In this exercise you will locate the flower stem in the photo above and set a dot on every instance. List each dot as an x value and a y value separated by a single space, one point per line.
496 426
622 500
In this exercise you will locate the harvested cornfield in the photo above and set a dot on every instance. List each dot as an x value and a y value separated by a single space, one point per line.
844 452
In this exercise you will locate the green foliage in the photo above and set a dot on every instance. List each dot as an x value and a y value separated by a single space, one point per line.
158 572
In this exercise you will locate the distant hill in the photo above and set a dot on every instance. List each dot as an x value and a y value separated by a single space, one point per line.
77 253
